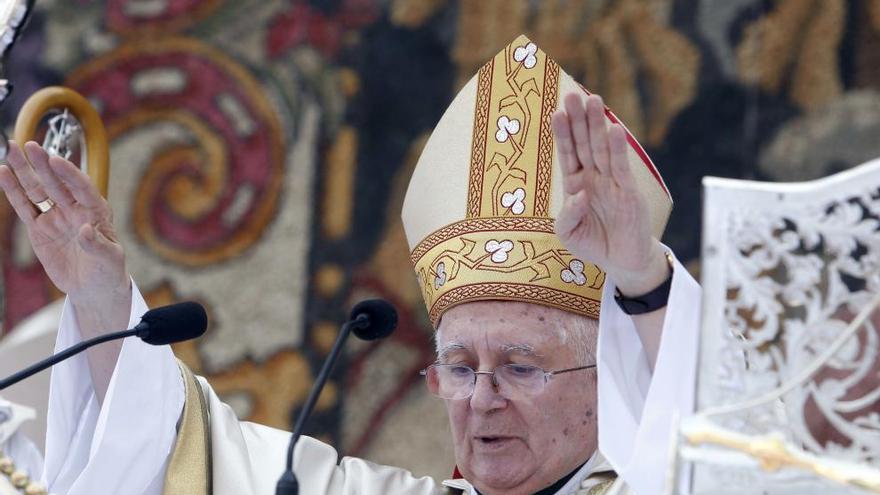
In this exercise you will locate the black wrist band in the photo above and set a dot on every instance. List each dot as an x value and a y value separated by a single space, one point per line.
651 301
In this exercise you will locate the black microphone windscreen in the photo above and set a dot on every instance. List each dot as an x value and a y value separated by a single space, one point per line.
173 323
382 319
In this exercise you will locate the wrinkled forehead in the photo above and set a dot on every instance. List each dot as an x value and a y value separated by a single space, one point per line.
499 325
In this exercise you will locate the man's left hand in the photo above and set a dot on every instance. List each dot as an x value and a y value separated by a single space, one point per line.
604 219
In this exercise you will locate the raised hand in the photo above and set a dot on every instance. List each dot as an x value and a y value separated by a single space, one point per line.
70 227
73 237
604 218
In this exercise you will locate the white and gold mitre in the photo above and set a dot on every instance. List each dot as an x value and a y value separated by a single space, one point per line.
480 207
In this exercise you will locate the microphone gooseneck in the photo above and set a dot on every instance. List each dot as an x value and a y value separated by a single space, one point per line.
369 320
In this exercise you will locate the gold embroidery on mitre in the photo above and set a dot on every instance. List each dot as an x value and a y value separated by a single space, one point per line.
504 258
512 148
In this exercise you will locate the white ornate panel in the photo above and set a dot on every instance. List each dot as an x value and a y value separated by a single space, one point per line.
786 270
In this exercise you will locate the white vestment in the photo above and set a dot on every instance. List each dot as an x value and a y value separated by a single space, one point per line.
123 447
14 444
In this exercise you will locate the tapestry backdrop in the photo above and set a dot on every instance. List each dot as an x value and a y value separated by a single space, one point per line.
260 151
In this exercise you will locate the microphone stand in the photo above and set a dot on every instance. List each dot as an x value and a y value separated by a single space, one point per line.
66 353
288 484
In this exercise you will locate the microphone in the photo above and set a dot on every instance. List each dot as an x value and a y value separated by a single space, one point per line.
160 326
172 324
371 319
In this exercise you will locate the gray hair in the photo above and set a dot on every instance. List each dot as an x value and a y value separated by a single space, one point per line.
582 333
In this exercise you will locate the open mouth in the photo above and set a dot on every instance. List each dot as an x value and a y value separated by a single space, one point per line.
493 440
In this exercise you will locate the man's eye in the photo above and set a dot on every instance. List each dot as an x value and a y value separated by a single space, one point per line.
459 370
521 369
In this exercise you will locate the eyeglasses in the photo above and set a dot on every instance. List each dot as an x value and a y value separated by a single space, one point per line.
514 381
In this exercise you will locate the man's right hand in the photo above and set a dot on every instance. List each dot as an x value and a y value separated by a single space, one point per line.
75 242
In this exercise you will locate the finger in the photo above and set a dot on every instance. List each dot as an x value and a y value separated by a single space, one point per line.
598 133
620 170
573 175
78 183
573 214
17 198
568 161
579 130
26 176
51 183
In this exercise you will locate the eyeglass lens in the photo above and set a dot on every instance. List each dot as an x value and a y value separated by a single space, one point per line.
452 381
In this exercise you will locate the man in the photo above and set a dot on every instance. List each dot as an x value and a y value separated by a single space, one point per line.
514 304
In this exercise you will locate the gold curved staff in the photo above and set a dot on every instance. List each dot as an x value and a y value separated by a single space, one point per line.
95 156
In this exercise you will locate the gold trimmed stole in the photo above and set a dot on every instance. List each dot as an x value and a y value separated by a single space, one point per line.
189 470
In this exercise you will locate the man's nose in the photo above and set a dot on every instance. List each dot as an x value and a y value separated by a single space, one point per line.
486 396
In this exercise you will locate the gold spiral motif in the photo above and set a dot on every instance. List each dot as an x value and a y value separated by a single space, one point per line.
210 198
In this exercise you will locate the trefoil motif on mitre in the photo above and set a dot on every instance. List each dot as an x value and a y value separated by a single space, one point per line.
514 201
526 55
574 274
499 250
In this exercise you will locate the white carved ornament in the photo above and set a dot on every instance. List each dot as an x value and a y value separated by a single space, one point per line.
786 268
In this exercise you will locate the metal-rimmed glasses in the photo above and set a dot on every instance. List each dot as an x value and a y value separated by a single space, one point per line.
514 381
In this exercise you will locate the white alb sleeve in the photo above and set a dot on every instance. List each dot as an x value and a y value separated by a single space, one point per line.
122 445
638 409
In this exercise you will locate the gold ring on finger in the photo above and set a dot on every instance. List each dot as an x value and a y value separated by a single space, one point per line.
45 205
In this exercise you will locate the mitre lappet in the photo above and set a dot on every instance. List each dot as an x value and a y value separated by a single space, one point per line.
480 209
